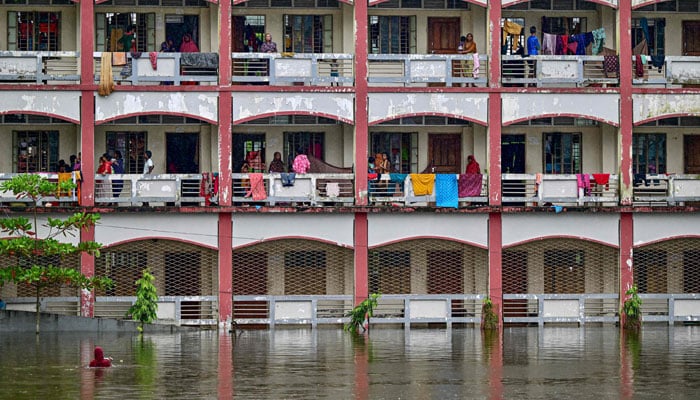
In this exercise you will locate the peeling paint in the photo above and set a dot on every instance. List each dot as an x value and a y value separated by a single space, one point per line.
656 106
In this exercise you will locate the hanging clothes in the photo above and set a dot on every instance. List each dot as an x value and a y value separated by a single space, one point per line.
475 69
257 187
469 185
611 66
446 191
511 29
549 44
423 184
598 41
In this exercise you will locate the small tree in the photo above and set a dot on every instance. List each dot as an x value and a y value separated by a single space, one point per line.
34 256
362 312
632 310
144 310
489 318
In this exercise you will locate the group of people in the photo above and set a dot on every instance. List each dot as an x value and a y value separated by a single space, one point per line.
379 164
114 164
73 165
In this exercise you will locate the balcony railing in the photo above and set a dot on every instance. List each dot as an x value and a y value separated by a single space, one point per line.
165 68
59 198
427 69
556 71
318 69
675 70
560 308
541 189
386 190
135 189
39 67
313 189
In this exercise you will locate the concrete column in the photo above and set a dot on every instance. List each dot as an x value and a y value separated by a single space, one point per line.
361 100
361 258
225 267
626 257
495 263
624 15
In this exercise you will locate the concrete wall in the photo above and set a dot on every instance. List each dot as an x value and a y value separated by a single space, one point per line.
25 322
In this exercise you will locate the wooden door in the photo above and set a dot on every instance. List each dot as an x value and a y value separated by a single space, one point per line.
445 153
691 38
443 35
691 151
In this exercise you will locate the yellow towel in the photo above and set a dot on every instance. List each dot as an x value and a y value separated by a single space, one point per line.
423 184
64 177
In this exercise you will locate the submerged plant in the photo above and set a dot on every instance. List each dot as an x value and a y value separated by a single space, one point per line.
632 310
489 318
144 310
362 311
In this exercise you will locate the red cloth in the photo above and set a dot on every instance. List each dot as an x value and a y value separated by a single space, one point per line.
638 66
257 187
100 360
372 177
469 185
473 166
153 56
601 179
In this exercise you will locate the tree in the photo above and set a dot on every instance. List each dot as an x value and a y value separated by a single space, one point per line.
632 310
361 313
33 259
146 305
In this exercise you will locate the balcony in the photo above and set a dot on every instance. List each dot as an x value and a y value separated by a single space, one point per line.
556 71
427 70
541 190
164 69
316 69
39 67
675 70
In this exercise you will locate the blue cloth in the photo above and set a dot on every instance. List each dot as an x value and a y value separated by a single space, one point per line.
446 191
288 179
2 305
398 178
533 45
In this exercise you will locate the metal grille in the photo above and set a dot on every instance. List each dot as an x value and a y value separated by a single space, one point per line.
12 290
293 267
558 266
428 266
671 266
180 269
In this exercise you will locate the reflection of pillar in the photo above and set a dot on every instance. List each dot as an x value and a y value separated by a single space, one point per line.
87 375
361 347
496 364
225 267
626 372
495 264
225 367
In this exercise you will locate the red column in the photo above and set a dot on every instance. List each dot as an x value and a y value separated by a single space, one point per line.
87 268
361 111
225 63
225 104
495 268
361 260
225 267
626 115
225 367
495 113
494 36
626 258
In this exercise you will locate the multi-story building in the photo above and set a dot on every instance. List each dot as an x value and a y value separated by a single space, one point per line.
588 152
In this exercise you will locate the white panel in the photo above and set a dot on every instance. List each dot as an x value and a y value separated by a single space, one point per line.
60 103
558 69
428 309
685 69
387 106
651 106
600 228
428 69
252 104
201 229
686 308
293 68
43 231
385 228
164 67
255 228
599 106
292 310
165 310
650 228
118 104
560 308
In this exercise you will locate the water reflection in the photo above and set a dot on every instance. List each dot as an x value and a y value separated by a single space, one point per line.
517 363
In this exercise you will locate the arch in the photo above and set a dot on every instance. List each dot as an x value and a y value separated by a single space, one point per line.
63 105
419 114
300 237
156 238
550 237
667 239
428 237
200 105
651 107
252 105
388 106
136 114
272 114
524 106
552 115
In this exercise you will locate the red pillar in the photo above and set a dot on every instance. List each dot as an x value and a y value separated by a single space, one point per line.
494 37
495 266
225 104
626 258
225 267
626 105
361 259
87 268
361 111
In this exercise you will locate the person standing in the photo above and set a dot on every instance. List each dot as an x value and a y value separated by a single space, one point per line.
277 165
117 168
533 49
472 166
268 46
301 164
147 167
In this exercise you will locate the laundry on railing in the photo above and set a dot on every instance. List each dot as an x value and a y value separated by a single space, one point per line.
584 182
257 187
446 191
602 179
469 185
423 184
200 60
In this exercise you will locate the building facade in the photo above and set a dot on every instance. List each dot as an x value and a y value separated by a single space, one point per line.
588 152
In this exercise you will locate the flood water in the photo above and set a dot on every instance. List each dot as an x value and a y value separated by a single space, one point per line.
551 363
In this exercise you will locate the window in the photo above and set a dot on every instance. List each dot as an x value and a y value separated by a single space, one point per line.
243 145
304 272
110 29
389 272
132 146
564 271
392 34
563 25
248 33
562 153
401 147
36 151
311 142
649 153
182 153
655 37
33 31
308 33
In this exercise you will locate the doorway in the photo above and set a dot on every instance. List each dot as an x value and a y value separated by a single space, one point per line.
443 35
176 26
182 155
691 151
691 38
444 153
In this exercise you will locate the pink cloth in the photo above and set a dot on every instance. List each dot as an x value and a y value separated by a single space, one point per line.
475 70
257 187
301 164
549 44
469 185
153 56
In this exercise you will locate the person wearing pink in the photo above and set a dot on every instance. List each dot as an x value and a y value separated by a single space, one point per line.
472 166
188 45
301 164
100 361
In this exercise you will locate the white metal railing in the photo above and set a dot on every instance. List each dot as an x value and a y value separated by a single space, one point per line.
293 68
662 189
332 309
560 308
387 189
552 71
60 197
134 189
544 189
421 69
40 67
667 307
313 188
170 68
673 70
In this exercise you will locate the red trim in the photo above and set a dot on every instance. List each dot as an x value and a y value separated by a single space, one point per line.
294 89
423 237
416 89
670 115
361 258
87 268
307 238
626 102
638 245
225 267
45 114
168 238
575 115
195 116
494 143
539 238
495 264
276 113
462 117
225 142
625 254
361 104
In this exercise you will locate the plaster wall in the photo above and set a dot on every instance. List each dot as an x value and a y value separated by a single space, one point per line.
387 228
650 228
251 229
43 230
200 229
518 228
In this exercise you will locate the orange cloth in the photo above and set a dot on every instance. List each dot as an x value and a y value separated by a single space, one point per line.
257 187
423 184
64 177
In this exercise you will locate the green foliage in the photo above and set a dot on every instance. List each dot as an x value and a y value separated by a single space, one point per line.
632 309
489 318
360 312
33 255
146 305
